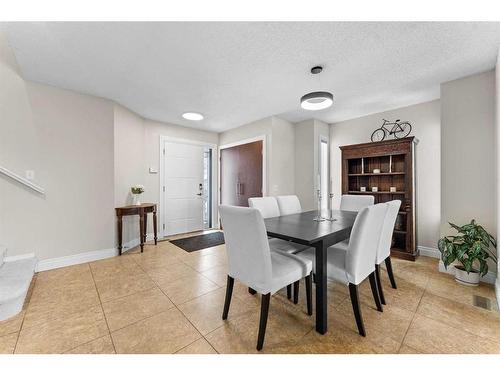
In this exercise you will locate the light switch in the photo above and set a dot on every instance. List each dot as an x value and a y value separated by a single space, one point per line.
153 170
30 175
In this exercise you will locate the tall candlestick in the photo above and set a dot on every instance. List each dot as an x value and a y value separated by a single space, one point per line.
319 217
330 195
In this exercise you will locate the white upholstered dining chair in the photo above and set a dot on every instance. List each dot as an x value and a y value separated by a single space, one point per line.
251 261
384 246
355 202
353 266
268 207
289 204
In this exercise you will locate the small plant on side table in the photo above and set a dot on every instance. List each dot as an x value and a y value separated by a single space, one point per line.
136 191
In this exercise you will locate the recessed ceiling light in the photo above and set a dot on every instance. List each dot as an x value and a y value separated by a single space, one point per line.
193 116
317 100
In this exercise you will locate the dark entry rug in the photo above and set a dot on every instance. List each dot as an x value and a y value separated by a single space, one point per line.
200 242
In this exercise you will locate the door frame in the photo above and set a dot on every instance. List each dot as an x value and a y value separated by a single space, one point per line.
245 141
163 201
324 139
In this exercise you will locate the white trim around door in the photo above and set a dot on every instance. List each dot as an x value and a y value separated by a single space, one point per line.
214 187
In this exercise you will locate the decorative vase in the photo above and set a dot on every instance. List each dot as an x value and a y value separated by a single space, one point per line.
136 201
462 277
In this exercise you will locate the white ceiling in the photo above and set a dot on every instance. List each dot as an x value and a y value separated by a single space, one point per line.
235 73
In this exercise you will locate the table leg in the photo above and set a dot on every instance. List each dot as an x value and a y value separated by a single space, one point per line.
120 227
145 227
141 230
321 288
155 227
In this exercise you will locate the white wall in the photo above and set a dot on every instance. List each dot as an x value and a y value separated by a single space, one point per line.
67 139
467 148
425 120
137 148
282 172
304 163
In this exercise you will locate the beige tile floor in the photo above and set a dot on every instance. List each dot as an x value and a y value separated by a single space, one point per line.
166 300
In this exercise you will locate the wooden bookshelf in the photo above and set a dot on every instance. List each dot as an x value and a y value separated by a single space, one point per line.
395 161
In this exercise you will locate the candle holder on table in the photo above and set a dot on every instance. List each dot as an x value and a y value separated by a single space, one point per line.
319 217
331 218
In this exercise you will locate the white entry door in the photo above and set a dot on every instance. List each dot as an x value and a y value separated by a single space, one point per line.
183 188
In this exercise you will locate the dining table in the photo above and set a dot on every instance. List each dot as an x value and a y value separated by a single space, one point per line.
302 228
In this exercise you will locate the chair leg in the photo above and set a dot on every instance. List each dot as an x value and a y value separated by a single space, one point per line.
229 293
309 294
374 286
289 291
251 291
264 311
353 291
379 284
388 265
296 292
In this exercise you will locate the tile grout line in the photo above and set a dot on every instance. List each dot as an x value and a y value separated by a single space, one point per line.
174 306
24 316
413 318
102 308
449 325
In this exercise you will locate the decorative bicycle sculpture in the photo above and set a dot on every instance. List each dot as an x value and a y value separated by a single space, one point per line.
400 129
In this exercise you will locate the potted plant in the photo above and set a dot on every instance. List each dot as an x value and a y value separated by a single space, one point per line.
472 247
136 191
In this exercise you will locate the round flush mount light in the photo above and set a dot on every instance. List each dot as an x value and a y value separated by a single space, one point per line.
192 116
314 101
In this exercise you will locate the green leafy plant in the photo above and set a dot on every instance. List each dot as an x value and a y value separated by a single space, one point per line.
471 247
137 189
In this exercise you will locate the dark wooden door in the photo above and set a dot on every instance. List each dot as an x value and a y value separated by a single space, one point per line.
241 173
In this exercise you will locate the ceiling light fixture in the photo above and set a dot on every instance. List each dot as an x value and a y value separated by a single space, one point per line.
192 116
314 101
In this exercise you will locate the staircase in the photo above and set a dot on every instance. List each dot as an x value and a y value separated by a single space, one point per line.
15 280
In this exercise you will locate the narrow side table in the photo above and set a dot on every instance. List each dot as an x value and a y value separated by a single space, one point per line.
141 210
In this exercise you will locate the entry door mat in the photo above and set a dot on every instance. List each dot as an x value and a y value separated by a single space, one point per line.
200 242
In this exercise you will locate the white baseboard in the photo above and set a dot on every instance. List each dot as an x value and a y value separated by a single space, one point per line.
13 258
489 278
71 260
429 252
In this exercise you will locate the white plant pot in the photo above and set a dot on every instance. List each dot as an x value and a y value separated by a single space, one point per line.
462 277
136 201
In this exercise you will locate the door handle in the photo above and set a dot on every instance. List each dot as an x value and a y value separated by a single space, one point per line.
199 194
239 188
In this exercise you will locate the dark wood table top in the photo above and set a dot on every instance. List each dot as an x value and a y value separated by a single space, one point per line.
301 228
142 205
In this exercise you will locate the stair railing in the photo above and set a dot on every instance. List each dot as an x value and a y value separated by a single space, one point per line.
22 180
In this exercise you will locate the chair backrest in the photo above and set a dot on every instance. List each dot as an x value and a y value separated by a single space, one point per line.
363 242
384 246
268 206
289 204
247 246
356 202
